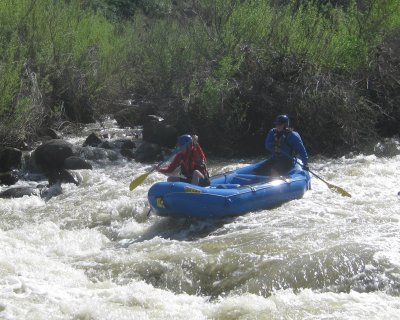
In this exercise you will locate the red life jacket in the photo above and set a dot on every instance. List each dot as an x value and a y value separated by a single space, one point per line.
193 159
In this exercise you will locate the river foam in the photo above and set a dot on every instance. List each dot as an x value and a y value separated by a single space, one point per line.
95 252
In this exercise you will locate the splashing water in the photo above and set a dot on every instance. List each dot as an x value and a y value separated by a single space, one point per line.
93 252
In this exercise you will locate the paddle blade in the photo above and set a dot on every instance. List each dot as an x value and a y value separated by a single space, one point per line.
331 186
138 181
340 190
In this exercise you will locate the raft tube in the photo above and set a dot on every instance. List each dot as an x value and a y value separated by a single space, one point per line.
230 194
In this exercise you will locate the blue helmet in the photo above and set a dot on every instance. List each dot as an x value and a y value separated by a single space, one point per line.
184 140
282 119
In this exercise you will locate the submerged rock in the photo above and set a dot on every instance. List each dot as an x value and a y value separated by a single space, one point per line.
47 193
19 192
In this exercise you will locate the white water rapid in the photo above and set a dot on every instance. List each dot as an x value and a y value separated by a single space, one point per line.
94 253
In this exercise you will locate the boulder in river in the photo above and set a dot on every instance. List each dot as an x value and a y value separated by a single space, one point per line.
156 130
148 152
93 140
51 154
76 163
10 158
9 177
19 192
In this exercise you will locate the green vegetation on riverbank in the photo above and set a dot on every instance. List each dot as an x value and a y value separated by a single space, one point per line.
220 68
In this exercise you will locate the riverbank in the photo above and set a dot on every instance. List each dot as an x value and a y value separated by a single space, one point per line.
222 71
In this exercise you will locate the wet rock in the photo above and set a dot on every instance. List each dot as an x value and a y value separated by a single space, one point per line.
76 163
107 145
61 176
128 153
19 192
147 152
125 143
135 114
93 140
156 130
128 117
10 158
9 178
54 190
95 154
52 154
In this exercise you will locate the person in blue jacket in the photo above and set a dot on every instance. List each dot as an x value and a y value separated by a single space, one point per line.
284 144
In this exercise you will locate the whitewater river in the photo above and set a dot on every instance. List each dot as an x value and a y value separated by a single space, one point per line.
93 252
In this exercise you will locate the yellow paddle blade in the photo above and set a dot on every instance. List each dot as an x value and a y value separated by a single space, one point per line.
331 186
139 180
340 190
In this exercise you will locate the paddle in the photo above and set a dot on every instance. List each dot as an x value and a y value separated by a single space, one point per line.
139 180
331 186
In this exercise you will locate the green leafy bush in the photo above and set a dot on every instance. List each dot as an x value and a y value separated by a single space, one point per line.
215 66
54 55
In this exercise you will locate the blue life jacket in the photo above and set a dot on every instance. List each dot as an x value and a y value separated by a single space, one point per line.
286 144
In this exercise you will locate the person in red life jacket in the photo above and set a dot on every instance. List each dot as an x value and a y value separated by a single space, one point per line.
192 162
285 144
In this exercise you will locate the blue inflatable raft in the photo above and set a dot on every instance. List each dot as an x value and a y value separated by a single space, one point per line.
231 194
